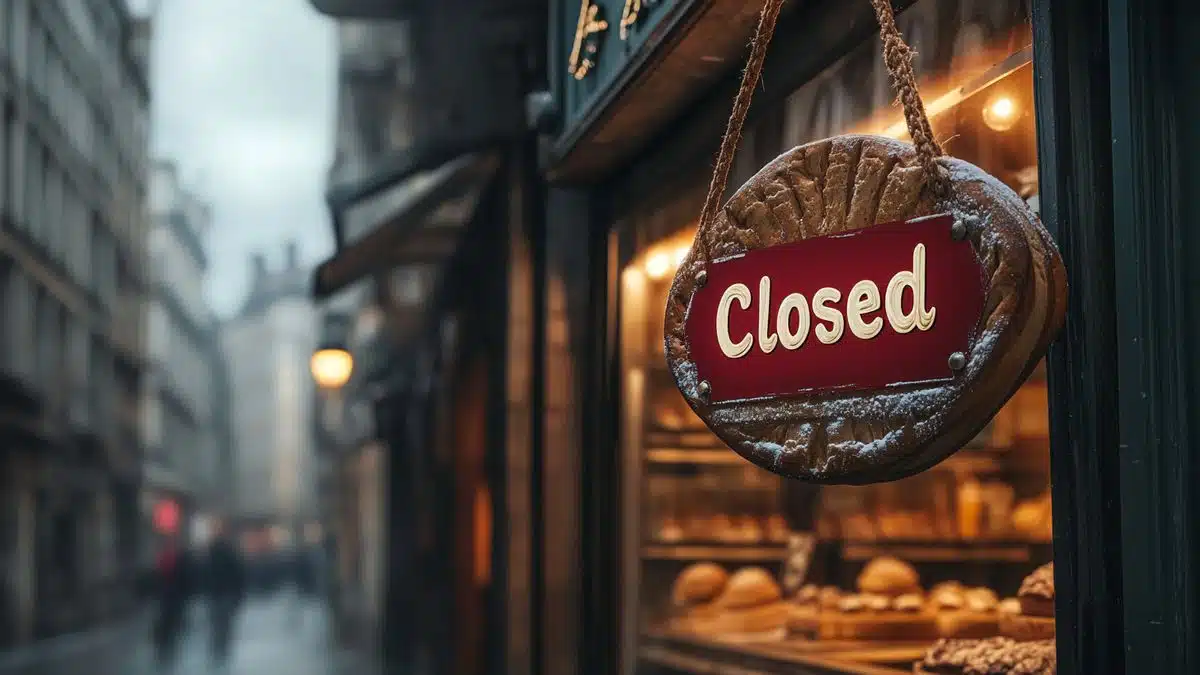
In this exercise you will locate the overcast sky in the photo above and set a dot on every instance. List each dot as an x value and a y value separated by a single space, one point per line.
244 104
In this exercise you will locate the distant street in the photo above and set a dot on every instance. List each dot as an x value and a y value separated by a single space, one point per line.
272 637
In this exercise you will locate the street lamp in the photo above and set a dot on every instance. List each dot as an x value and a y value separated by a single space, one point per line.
331 364
331 367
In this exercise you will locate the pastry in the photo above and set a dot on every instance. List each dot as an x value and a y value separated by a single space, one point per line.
873 616
1009 606
749 587
1036 598
993 656
829 597
693 593
969 613
888 576
751 602
889 606
878 617
699 583
805 611
1037 592
761 619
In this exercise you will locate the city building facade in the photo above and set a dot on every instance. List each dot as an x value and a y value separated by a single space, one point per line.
73 152
268 344
374 120
183 465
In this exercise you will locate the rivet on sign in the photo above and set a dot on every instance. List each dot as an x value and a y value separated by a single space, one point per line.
705 389
958 361
958 231
701 277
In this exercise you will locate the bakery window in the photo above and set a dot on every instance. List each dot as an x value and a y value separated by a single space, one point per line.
731 563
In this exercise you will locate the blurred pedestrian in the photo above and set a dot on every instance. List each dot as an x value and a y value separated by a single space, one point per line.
303 582
173 586
226 589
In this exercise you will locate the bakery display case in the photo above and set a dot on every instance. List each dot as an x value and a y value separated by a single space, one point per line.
729 567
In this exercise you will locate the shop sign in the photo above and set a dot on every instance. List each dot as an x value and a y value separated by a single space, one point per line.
882 307
861 307
600 36
863 331
166 516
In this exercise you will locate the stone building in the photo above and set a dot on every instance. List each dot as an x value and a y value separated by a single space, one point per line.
73 148
268 344
186 457
374 122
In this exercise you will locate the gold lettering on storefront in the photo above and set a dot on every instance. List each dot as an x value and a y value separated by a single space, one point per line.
632 13
587 45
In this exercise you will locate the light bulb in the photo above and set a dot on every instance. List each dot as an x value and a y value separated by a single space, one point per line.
658 265
1001 113
331 368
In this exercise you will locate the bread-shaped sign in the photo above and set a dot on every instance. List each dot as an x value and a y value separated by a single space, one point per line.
848 325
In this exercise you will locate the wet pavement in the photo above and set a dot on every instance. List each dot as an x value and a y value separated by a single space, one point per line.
278 635
274 635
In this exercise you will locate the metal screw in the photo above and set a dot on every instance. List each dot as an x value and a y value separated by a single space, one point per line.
957 361
958 231
704 388
701 278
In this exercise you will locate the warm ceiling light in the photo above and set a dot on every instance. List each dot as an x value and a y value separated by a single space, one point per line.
331 368
1001 113
658 265
681 254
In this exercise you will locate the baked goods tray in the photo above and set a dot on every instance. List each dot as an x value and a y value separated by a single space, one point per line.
761 552
934 550
682 652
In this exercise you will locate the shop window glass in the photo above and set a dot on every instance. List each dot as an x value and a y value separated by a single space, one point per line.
980 519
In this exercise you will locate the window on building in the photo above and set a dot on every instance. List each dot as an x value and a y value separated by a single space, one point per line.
18 322
7 346
37 58
6 121
34 171
52 210
78 14
19 30
5 32
18 145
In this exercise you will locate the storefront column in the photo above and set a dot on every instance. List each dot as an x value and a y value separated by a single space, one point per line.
1115 103
1155 105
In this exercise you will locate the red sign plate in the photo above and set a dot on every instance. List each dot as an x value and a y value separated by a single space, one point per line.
854 317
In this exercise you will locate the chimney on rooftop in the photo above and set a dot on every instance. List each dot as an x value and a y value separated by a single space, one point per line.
293 255
258 266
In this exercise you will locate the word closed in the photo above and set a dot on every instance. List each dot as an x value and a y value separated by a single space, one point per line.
879 307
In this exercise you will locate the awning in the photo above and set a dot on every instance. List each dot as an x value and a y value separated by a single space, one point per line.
363 9
406 214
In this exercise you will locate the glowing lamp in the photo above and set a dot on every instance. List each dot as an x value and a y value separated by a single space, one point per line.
166 517
331 368
1001 113
658 265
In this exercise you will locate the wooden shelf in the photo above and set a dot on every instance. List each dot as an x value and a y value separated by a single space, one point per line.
715 552
703 439
940 551
694 654
712 456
